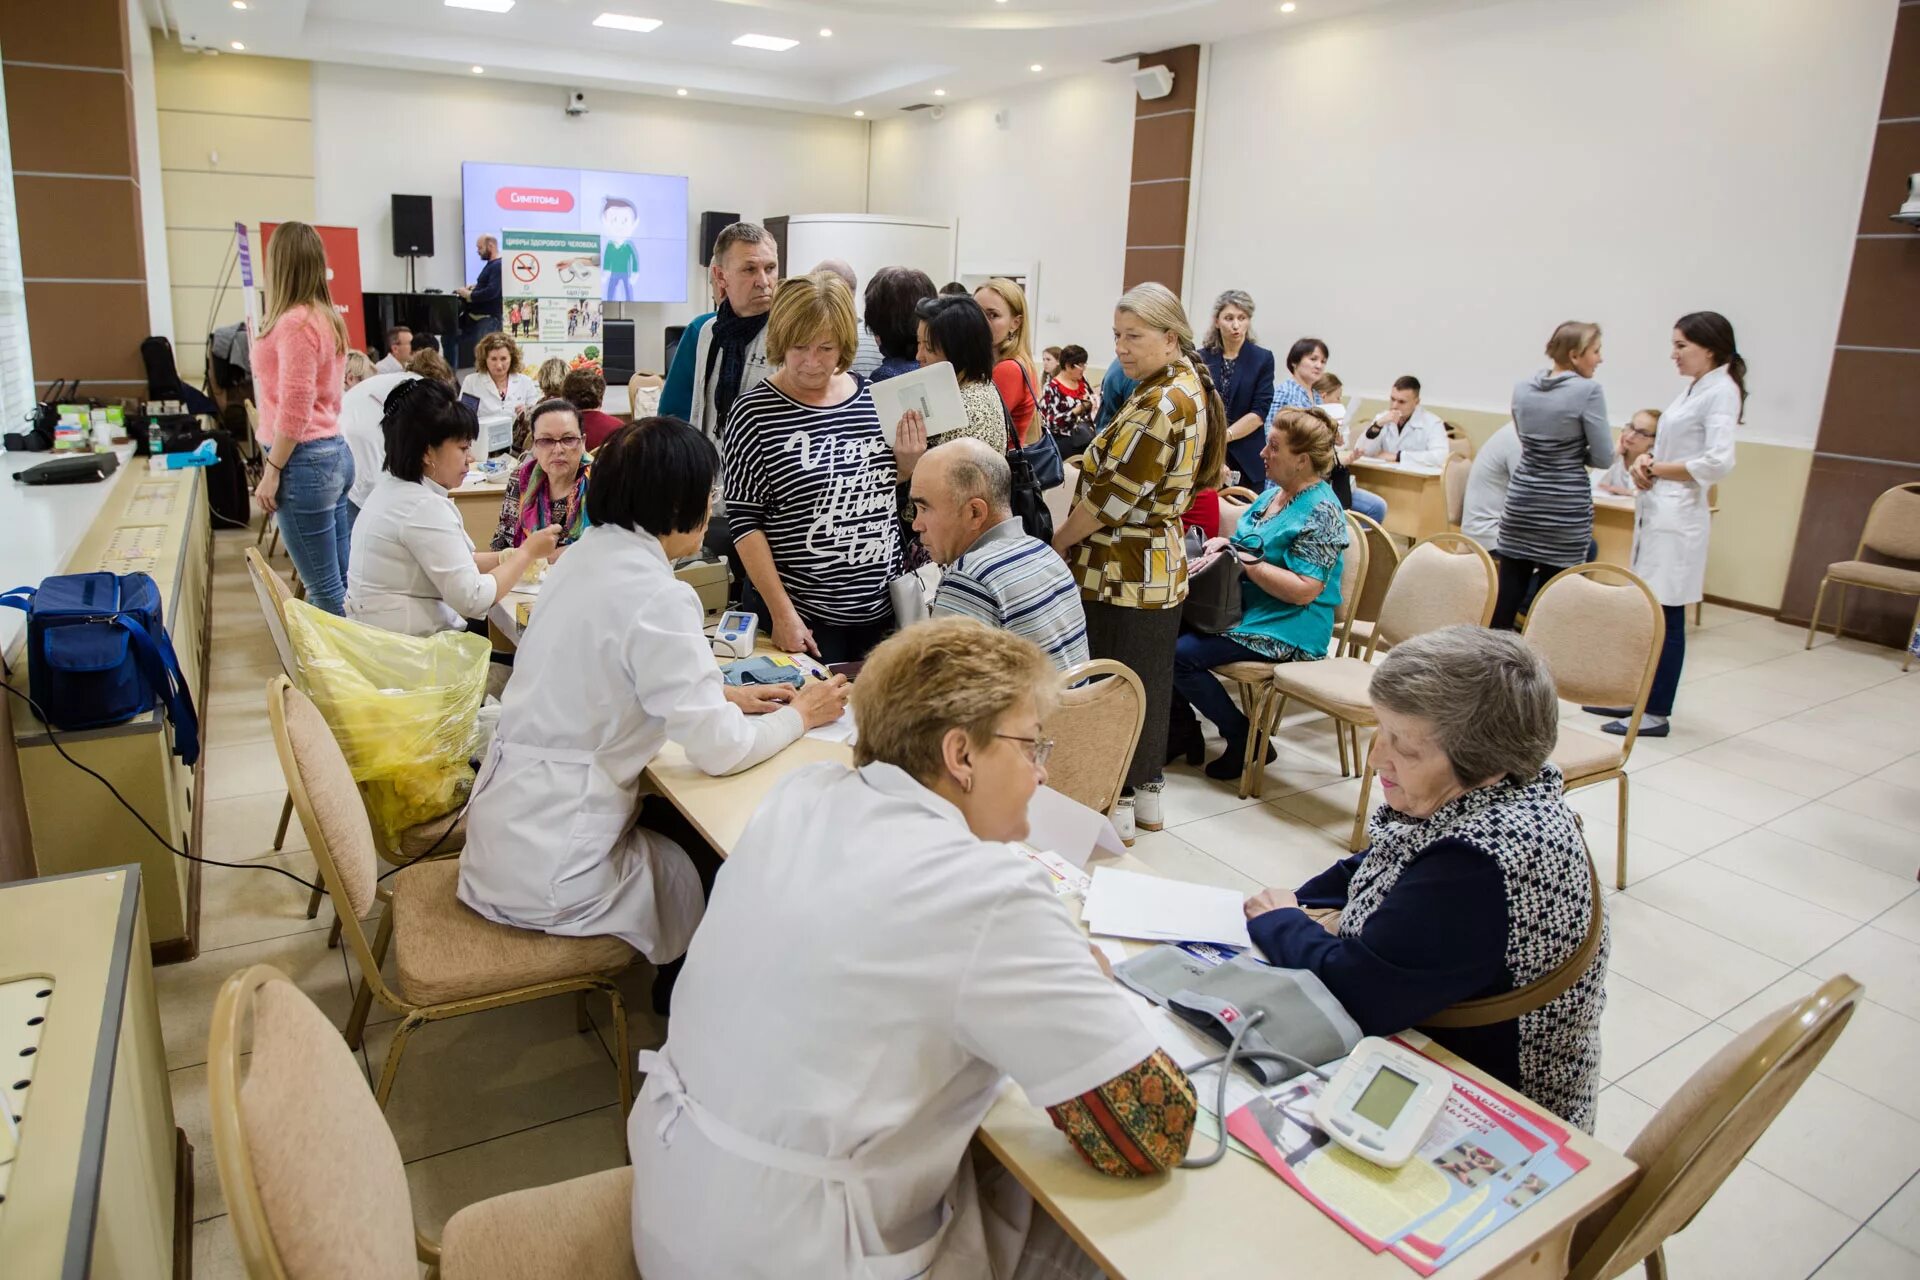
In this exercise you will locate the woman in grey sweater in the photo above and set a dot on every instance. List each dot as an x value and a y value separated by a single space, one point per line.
1561 416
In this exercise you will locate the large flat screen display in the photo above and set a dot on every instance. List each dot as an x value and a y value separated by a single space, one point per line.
641 219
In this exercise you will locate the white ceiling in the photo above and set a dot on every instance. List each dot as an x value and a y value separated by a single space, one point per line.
882 55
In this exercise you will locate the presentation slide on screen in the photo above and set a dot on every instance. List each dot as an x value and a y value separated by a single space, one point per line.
641 219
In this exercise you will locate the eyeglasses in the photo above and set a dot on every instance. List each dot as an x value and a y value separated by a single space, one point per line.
1035 749
562 442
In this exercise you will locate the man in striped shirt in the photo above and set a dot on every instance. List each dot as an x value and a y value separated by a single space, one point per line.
962 495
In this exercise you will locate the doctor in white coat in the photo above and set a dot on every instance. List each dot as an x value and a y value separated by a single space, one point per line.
614 664
1404 431
1671 524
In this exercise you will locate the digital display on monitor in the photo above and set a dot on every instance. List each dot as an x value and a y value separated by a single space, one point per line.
1383 1099
641 219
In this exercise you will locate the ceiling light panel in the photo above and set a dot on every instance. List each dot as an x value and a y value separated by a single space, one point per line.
626 22
484 6
772 44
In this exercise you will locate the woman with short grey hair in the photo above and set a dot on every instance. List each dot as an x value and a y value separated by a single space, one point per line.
1476 880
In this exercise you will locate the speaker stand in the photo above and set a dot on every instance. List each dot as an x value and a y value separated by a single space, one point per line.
412 263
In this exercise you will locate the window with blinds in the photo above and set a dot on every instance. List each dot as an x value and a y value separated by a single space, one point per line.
16 358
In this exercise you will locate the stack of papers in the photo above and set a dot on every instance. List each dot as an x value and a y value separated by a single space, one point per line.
1126 904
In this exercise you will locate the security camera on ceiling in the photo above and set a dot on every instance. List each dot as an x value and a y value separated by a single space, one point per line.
1153 82
577 102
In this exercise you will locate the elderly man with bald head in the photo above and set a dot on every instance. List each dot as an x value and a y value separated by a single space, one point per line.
962 495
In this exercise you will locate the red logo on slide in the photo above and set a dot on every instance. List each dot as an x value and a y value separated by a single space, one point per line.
538 199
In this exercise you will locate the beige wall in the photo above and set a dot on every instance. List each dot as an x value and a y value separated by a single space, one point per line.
236 144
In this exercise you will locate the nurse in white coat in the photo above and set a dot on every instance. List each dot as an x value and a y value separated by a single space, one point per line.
1671 524
614 664
877 960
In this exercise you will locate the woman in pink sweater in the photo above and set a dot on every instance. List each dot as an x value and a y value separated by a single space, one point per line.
299 361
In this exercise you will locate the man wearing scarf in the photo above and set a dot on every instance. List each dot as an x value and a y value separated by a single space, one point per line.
725 353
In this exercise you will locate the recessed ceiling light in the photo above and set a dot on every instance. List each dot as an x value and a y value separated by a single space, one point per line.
1288 7
485 6
859 114
1036 67
239 4
680 93
479 71
625 22
239 46
826 31
939 93
772 44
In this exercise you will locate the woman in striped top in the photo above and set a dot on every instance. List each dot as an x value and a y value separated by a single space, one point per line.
810 483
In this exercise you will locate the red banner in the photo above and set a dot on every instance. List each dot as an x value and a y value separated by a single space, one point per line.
342 245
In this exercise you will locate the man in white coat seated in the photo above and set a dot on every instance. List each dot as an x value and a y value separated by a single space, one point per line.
1403 431
876 961
613 664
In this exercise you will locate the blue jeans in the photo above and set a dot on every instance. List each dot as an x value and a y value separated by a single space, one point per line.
1194 658
1370 505
313 518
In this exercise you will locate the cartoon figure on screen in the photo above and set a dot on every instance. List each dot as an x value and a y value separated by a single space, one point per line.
619 260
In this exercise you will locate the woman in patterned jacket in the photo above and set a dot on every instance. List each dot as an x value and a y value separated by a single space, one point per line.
1476 881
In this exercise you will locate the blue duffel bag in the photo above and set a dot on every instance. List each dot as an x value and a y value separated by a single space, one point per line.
98 654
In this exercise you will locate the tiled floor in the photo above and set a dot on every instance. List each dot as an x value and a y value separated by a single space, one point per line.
1773 841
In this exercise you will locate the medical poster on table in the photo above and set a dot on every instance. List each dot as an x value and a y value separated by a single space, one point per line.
550 294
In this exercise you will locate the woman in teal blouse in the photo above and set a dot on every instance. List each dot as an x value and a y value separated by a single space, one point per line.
1289 545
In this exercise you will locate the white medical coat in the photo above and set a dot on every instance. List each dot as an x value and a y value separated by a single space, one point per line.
867 971
1671 524
361 408
612 665
1421 442
410 565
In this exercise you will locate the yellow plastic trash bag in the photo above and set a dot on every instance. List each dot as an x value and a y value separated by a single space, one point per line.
404 710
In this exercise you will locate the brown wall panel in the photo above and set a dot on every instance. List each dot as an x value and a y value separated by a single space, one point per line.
87 331
1902 98
1896 155
75 33
83 228
1163 146
1163 265
1839 492
1881 308
1157 213
1184 62
68 121
1869 413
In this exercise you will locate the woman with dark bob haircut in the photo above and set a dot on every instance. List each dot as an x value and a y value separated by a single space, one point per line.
556 839
412 567
892 295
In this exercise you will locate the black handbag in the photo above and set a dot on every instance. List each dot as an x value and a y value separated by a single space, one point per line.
1028 502
1213 596
38 437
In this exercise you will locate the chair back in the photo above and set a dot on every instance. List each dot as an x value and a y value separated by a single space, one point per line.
1239 493
332 813
1454 478
1690 1146
1353 581
273 593
1600 629
313 1179
1383 561
1446 580
1095 730
1459 443
1893 524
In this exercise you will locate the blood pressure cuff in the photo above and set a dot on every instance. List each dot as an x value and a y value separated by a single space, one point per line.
1302 1017
762 669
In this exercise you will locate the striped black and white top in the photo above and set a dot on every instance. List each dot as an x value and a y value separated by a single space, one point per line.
1561 419
1019 584
819 483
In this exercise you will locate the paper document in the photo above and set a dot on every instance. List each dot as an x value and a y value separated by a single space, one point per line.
1129 905
933 390
841 730
1069 828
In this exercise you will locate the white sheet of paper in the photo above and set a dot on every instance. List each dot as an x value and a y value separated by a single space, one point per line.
841 730
934 390
1130 905
1069 828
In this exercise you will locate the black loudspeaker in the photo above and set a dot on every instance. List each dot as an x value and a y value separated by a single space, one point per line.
616 360
711 225
413 226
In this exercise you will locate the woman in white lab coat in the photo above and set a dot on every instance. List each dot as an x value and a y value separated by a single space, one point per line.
877 959
1671 525
614 664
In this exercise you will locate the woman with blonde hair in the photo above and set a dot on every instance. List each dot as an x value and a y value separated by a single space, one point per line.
299 372
499 394
1005 305
1123 538
1560 414
551 378
810 482
1243 371
360 367
1289 545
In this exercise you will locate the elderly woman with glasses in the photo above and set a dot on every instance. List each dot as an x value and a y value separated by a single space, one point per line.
549 487
1476 881
878 958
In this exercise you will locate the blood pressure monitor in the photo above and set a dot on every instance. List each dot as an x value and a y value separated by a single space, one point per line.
1382 1102
735 635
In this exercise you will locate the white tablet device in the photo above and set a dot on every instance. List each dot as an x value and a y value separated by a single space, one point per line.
1382 1101
934 391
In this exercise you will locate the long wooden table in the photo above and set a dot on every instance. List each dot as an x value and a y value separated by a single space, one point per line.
1416 497
1231 1221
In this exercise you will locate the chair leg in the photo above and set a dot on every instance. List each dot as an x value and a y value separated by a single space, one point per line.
1253 782
1340 738
622 1053
408 1025
582 1018
1620 858
1656 1263
1840 612
333 934
280 832
1359 838
356 1031
1813 623
313 902
1908 660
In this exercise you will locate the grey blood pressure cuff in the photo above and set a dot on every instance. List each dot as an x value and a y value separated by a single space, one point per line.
1302 1017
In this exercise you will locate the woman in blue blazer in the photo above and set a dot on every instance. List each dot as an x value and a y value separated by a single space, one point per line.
1243 372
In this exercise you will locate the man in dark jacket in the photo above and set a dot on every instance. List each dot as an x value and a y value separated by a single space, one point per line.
482 313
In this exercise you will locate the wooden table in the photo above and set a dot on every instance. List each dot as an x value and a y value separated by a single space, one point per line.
479 506
1416 497
1234 1220
1613 529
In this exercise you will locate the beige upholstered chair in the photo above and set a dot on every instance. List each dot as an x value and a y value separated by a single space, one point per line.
1690 1146
1459 443
1454 479
1599 628
314 1184
1241 494
1892 530
1446 580
450 960
1383 561
1234 502
1095 730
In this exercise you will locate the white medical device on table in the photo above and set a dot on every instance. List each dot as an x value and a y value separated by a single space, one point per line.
736 633
1382 1102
